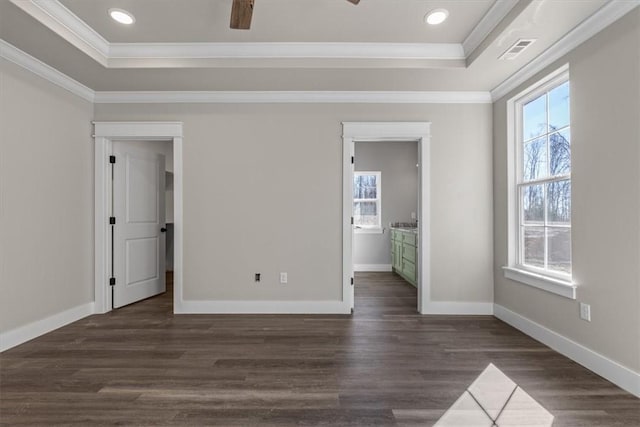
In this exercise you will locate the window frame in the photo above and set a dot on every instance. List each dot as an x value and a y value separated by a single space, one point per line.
370 229
548 280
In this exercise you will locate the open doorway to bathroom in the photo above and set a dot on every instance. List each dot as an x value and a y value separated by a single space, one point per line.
385 241
418 133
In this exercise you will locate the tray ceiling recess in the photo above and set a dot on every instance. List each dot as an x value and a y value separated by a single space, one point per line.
377 51
473 23
242 11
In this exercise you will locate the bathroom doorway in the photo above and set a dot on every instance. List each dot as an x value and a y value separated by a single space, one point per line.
371 133
385 244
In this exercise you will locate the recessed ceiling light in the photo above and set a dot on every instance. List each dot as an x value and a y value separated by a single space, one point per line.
122 16
436 16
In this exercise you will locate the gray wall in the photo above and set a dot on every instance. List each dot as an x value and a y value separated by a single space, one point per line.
46 199
397 162
605 113
263 193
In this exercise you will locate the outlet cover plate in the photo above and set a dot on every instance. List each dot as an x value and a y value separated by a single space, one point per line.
585 312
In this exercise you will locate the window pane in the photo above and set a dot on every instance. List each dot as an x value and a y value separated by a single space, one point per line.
535 159
559 249
534 246
534 117
365 213
559 107
533 204
560 156
364 187
559 203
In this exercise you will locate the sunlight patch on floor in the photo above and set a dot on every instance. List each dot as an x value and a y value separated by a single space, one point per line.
495 400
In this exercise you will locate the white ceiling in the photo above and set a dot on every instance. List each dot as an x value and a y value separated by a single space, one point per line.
180 21
379 45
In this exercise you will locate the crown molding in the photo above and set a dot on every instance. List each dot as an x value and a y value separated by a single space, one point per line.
55 16
487 24
69 26
287 50
605 16
279 97
289 55
28 62
24 60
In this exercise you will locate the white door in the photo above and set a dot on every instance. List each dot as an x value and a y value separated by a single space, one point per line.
352 167
139 234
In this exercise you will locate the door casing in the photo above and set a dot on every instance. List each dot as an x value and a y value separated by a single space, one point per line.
420 132
104 135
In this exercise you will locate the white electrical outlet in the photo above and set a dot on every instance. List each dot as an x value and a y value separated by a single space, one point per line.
283 277
585 312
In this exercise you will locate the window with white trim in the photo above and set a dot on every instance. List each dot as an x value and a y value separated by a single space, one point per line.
541 231
367 200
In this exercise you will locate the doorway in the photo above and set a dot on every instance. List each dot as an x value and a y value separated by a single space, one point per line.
385 207
372 132
139 221
142 242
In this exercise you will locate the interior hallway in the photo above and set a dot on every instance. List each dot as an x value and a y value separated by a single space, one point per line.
385 366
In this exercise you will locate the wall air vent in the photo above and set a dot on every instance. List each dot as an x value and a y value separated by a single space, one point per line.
517 48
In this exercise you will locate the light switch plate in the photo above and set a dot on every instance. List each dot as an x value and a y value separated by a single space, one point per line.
283 277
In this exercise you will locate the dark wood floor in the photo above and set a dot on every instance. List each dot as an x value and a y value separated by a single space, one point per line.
385 366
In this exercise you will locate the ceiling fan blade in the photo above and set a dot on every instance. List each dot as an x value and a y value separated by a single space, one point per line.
354 1
241 12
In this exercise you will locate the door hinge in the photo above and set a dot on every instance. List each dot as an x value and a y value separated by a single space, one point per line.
351 220
112 159
353 159
112 220
112 281
352 281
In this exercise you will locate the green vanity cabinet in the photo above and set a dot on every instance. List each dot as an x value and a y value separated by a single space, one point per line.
404 253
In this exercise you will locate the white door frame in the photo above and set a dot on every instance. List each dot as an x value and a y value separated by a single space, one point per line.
104 134
420 132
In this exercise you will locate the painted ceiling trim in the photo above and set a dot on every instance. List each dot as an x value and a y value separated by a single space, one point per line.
287 50
28 62
305 97
47 72
69 26
487 24
55 16
605 16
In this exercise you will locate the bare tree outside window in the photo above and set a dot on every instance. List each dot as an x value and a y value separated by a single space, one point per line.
366 199
545 182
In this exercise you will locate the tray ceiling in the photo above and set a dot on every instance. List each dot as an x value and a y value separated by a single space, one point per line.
323 45
180 21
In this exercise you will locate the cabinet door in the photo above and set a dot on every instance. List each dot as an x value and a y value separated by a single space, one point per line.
398 255
409 270
393 254
409 252
409 239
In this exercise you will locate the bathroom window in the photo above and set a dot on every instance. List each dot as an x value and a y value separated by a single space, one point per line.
540 199
367 215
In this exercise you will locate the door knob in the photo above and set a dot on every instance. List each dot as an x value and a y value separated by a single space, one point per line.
163 230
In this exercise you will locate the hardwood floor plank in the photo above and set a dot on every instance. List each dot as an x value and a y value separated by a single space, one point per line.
384 366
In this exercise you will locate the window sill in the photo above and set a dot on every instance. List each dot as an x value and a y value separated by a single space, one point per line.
369 230
549 284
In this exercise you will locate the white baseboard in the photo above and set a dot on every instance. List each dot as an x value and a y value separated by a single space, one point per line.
33 330
372 267
262 307
621 376
458 308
